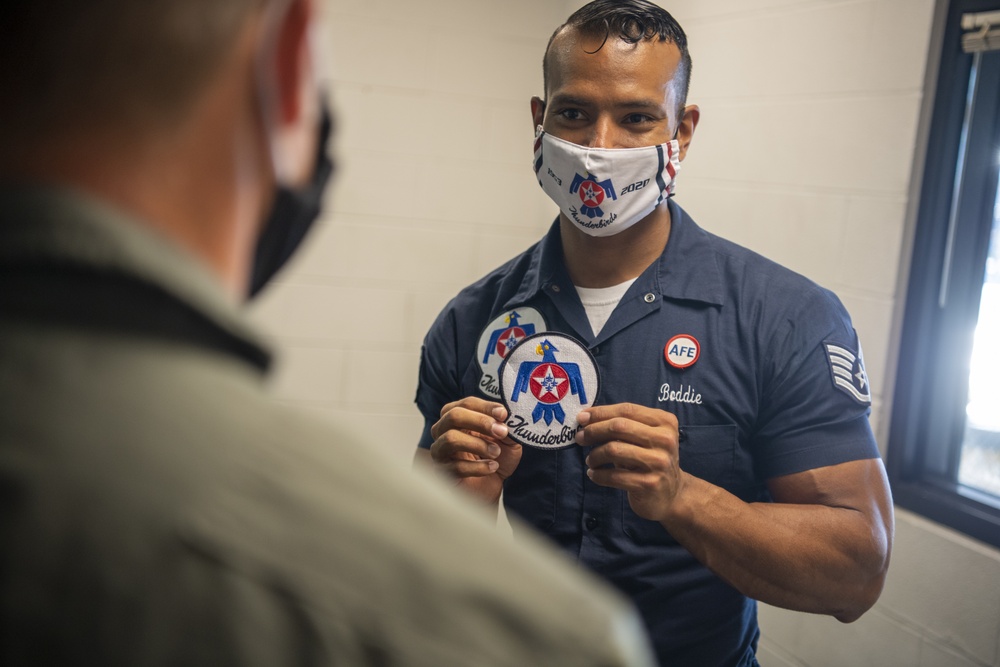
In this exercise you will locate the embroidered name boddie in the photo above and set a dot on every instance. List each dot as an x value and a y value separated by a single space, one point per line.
680 395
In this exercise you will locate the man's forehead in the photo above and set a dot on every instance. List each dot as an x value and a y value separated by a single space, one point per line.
575 56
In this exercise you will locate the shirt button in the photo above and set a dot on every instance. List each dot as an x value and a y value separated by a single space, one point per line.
555 288
591 523
597 350
682 435
649 298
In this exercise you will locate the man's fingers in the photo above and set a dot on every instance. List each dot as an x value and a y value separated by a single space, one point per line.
456 444
629 411
477 405
626 430
626 480
628 456
462 417
463 468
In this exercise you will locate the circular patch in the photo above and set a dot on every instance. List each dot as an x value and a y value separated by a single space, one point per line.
500 337
544 383
591 194
682 351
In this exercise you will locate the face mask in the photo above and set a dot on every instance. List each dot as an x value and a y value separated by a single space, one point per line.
604 191
292 215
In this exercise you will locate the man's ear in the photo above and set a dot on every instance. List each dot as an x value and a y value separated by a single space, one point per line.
537 112
293 63
294 95
685 130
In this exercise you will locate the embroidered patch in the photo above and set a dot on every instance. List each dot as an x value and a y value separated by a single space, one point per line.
545 383
682 351
683 394
847 371
500 337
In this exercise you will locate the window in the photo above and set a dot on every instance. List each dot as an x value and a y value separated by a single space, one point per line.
944 441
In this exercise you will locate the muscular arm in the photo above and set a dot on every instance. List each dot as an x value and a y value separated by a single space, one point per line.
822 546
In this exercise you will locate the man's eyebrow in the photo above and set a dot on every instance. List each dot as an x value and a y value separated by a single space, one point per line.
570 100
574 101
641 104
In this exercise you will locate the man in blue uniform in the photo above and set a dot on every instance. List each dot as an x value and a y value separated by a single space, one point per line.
729 457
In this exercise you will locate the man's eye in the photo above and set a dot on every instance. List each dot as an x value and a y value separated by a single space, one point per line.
571 114
636 118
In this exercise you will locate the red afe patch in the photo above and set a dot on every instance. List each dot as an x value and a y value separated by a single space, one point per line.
682 351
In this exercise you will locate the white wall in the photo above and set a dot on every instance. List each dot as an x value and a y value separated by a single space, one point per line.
810 113
434 189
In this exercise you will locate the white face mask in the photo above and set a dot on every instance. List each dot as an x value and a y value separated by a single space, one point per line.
604 191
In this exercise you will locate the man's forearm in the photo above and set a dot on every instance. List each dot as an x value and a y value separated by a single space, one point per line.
814 558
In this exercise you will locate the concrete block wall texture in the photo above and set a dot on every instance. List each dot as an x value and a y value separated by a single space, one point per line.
433 190
809 128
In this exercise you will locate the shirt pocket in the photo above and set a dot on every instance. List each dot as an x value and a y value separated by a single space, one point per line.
707 452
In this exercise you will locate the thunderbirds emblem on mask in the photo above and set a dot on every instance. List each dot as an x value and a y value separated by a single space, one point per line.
592 194
545 382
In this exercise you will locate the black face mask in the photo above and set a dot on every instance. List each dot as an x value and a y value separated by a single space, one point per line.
292 215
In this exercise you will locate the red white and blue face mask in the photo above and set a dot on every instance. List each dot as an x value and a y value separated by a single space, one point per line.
604 191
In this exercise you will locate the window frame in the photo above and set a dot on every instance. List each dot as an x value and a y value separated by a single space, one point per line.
931 384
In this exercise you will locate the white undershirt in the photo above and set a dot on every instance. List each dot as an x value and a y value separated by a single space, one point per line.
600 302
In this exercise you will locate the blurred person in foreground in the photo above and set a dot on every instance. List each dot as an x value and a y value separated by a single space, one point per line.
729 456
156 507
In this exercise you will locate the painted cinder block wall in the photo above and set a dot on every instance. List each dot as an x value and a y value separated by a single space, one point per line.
810 129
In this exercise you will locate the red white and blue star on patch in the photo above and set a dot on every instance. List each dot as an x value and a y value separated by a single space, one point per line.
545 382
500 337
847 370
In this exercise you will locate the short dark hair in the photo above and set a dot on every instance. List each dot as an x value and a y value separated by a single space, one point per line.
631 21
73 63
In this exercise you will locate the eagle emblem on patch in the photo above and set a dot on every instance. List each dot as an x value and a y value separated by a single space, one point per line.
497 340
847 370
545 383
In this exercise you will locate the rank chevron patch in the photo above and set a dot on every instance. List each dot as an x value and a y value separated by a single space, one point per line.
847 371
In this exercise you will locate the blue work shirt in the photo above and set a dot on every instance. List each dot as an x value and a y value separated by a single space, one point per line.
761 400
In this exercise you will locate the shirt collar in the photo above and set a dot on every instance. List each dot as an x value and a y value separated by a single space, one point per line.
62 227
688 269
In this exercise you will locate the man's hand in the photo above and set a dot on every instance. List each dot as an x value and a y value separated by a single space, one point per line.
471 444
635 450
822 546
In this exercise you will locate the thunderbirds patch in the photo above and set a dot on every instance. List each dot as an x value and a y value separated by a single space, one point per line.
500 337
847 371
545 382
